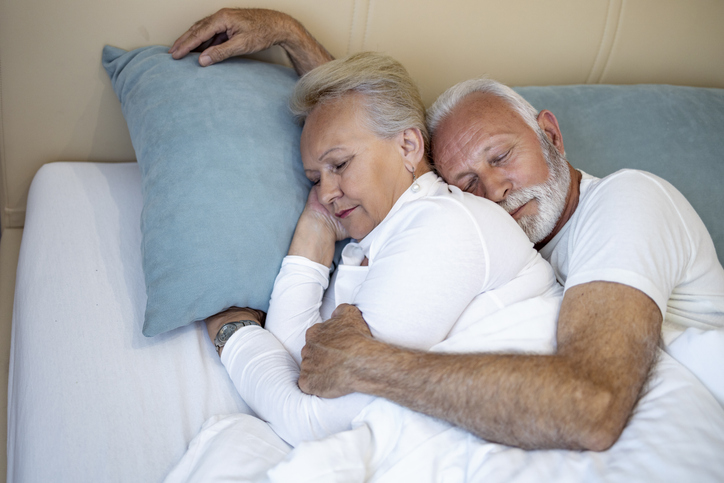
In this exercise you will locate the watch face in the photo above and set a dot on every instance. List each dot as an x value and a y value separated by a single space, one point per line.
226 331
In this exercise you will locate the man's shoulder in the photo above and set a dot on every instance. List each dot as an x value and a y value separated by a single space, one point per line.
624 178
627 204
626 188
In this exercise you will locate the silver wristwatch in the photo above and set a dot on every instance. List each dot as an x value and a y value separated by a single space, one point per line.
228 329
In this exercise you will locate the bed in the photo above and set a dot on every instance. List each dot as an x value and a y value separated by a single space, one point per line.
90 398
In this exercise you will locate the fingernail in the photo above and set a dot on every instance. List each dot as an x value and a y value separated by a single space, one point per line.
205 60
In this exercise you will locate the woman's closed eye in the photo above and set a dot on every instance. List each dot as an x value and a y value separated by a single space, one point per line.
338 167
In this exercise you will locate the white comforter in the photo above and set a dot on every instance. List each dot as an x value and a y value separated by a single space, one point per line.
676 434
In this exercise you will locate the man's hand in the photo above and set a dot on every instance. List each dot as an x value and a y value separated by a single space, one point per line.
232 32
334 351
579 398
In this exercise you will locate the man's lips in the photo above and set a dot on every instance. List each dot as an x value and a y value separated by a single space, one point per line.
515 211
344 213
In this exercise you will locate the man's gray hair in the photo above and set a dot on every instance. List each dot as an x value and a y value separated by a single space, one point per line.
451 97
392 99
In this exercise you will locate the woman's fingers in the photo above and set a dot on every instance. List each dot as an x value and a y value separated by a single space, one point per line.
315 206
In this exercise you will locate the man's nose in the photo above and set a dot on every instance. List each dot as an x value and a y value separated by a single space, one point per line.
497 186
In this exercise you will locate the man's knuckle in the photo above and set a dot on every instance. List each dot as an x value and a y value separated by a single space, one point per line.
303 383
217 54
312 332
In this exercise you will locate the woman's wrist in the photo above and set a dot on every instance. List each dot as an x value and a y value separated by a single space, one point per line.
313 239
233 314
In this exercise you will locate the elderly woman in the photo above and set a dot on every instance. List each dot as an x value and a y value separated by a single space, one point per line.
429 262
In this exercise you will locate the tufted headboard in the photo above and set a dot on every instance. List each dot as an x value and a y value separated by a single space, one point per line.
56 103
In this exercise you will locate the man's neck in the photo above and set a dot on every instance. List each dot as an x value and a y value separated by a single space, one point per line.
574 192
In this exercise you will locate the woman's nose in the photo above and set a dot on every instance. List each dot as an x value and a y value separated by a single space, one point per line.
329 189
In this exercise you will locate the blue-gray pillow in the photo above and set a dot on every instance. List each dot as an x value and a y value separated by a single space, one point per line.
222 179
674 132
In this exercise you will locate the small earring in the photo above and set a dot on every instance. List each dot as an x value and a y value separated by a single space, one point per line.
415 187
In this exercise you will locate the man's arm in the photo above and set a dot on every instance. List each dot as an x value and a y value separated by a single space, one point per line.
231 32
579 398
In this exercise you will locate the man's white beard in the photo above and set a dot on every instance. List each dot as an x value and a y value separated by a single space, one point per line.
550 195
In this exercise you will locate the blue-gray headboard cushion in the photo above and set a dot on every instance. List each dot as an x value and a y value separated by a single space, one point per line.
674 132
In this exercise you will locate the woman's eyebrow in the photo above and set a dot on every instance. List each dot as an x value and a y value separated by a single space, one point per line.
329 151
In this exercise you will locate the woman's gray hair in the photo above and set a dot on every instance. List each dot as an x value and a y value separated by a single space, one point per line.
392 99
451 97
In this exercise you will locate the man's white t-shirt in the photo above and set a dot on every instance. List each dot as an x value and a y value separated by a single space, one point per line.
636 229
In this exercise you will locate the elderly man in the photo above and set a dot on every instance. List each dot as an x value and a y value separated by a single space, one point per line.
629 249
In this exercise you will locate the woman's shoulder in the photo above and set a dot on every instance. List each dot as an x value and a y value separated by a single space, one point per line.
453 215
431 230
443 210
456 206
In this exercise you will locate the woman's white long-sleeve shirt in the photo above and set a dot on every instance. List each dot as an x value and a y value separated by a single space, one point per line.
441 261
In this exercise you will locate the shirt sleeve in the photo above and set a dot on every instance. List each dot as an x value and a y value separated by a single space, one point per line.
265 375
264 364
295 302
632 232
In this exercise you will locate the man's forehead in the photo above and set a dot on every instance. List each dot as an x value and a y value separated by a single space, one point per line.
477 117
485 108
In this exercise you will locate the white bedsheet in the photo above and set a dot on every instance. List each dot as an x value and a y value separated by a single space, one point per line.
90 398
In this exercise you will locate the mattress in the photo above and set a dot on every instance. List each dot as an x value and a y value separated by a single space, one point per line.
91 398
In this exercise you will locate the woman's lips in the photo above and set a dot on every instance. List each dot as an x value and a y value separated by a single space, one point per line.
344 213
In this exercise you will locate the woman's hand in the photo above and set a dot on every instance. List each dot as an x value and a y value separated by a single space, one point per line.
238 31
315 209
232 314
317 231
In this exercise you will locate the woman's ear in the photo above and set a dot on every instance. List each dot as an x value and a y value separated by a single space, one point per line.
412 148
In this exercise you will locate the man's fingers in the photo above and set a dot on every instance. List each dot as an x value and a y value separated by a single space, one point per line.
184 44
312 331
345 309
205 30
213 41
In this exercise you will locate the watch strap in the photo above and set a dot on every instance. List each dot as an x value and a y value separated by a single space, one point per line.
228 330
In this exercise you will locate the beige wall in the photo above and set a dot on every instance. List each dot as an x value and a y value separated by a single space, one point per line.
57 103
